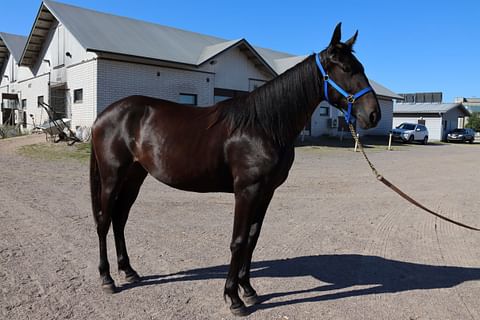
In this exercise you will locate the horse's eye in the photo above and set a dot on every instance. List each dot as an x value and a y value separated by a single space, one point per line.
346 68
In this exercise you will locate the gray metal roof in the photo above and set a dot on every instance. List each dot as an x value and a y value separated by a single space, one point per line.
283 64
15 44
213 50
383 91
428 108
101 32
11 44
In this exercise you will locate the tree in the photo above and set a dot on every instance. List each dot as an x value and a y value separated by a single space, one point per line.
474 121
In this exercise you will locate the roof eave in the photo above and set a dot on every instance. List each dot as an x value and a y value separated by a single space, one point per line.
99 51
30 36
7 56
387 97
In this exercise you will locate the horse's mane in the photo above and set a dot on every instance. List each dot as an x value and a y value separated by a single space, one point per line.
279 107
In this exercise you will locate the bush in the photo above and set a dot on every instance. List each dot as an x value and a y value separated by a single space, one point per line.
474 121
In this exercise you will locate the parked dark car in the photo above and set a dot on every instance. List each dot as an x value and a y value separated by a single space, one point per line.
461 135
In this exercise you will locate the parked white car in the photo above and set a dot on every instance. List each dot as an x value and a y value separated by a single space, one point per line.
409 132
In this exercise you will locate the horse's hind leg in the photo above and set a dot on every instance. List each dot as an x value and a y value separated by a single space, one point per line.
110 184
126 197
103 224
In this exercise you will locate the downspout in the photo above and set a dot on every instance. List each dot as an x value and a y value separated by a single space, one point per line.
8 91
8 83
49 79
442 138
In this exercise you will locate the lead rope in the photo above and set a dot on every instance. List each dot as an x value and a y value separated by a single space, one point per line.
397 190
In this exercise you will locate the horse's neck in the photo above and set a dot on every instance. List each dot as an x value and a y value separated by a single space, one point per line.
310 89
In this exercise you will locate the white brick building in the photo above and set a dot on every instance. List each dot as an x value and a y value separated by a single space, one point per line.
80 61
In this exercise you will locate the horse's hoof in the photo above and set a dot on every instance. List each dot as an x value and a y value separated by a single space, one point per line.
239 311
109 288
251 300
132 278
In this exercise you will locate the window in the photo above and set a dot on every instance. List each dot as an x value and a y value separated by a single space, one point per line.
24 104
323 111
190 99
78 96
40 101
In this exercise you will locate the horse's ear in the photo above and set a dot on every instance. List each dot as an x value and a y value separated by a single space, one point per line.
337 35
350 42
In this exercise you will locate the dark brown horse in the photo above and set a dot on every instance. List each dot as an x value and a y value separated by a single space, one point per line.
242 146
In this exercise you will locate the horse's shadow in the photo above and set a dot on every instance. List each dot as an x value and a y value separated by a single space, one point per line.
340 272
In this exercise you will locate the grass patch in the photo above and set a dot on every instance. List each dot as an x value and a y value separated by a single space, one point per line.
56 152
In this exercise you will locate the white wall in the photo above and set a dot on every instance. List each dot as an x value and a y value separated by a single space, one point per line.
83 76
451 118
385 124
434 125
30 90
78 71
319 123
118 79
58 42
233 71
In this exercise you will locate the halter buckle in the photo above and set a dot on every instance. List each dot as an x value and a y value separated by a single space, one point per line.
326 77
351 99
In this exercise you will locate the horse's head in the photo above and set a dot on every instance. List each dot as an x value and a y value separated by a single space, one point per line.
347 86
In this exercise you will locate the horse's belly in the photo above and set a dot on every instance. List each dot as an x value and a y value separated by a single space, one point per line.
188 175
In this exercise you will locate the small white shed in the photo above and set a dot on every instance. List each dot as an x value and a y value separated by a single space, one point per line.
439 118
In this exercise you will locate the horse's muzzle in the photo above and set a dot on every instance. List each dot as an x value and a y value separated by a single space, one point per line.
368 120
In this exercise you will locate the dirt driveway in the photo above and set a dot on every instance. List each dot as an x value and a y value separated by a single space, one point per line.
336 244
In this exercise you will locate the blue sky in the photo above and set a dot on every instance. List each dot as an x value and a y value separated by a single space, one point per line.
408 46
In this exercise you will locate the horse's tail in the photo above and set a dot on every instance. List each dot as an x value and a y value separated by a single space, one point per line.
95 185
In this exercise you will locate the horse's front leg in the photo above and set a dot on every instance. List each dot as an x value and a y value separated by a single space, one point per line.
246 199
249 294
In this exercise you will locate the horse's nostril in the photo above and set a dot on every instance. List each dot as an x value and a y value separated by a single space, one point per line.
374 117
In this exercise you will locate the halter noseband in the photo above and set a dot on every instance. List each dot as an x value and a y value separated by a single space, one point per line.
351 98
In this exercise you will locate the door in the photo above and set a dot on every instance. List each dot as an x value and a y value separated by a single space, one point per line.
59 102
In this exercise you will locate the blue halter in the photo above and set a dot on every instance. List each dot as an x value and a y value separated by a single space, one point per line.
350 97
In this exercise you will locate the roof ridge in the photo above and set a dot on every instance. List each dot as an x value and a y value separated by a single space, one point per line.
14 43
13 34
46 2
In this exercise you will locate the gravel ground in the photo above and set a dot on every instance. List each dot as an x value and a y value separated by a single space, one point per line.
336 244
